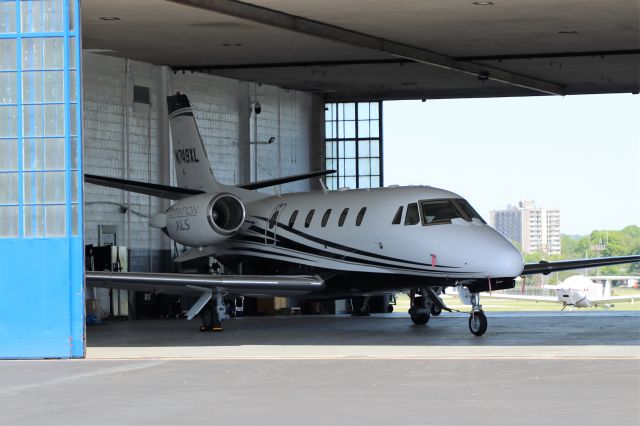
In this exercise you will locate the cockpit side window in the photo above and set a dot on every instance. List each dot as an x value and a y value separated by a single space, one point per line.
398 217
438 211
343 216
413 216
468 211
307 221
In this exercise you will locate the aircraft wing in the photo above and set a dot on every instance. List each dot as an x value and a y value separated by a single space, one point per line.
602 300
195 284
286 179
553 299
544 267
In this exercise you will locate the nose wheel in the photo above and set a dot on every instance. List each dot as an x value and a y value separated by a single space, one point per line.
477 319
478 323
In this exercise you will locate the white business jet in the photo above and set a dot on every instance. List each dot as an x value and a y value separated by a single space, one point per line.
325 244
576 291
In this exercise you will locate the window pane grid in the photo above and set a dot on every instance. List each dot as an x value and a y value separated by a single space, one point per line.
39 119
353 144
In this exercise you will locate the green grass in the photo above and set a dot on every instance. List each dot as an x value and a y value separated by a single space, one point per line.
491 304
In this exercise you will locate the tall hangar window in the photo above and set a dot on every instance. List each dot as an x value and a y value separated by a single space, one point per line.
353 135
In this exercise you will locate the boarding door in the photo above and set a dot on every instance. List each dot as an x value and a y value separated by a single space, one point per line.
271 231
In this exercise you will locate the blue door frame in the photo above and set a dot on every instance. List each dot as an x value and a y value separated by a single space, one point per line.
41 241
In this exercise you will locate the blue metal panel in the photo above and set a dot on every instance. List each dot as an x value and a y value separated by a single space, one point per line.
42 268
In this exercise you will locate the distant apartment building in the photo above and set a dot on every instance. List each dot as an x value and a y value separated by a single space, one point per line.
533 228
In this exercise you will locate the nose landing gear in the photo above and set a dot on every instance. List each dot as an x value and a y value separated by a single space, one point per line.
478 323
477 319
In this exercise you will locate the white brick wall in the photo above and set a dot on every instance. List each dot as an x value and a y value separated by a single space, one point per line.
109 122
286 115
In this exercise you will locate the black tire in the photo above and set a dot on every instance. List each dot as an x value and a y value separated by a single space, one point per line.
389 308
478 323
435 310
419 303
208 317
420 319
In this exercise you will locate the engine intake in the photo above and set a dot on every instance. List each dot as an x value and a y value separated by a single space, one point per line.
205 219
226 214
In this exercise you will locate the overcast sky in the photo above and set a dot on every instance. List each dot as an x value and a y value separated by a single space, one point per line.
580 154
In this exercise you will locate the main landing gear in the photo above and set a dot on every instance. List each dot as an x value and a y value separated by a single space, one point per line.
421 307
424 303
214 313
360 306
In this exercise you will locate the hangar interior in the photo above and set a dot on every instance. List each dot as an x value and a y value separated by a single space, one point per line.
300 61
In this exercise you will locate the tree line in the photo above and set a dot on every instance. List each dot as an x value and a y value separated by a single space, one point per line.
599 243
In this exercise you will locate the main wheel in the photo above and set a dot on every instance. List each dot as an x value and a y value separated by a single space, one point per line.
208 318
435 310
420 319
478 323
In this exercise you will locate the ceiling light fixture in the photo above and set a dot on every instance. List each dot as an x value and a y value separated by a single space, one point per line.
483 3
110 18
567 32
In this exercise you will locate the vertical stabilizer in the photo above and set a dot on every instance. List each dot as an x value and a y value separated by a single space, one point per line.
193 169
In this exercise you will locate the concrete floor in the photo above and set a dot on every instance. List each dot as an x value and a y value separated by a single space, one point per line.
579 368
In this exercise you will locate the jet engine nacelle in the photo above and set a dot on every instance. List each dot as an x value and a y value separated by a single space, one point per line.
204 220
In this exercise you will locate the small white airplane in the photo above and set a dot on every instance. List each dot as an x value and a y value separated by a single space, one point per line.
325 244
576 291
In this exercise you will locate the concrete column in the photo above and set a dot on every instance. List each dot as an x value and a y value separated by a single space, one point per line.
161 88
244 127
316 140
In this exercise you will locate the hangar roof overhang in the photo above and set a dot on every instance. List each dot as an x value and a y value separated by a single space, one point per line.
371 49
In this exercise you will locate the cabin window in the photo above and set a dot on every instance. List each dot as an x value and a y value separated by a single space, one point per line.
360 216
398 217
468 211
325 218
413 216
343 217
307 221
437 212
273 219
292 219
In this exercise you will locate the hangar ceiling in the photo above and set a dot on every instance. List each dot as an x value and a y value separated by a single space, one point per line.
581 47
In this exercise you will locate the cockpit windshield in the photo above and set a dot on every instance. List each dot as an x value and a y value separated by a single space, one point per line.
443 211
440 211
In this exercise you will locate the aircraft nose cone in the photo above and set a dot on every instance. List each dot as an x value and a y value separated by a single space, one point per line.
508 262
496 256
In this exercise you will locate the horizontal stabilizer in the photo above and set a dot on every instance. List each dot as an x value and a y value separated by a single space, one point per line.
248 285
287 179
154 189
544 267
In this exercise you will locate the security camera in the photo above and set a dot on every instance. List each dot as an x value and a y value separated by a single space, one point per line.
272 139
257 108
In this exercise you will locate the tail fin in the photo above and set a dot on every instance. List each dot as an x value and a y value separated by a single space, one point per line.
193 169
